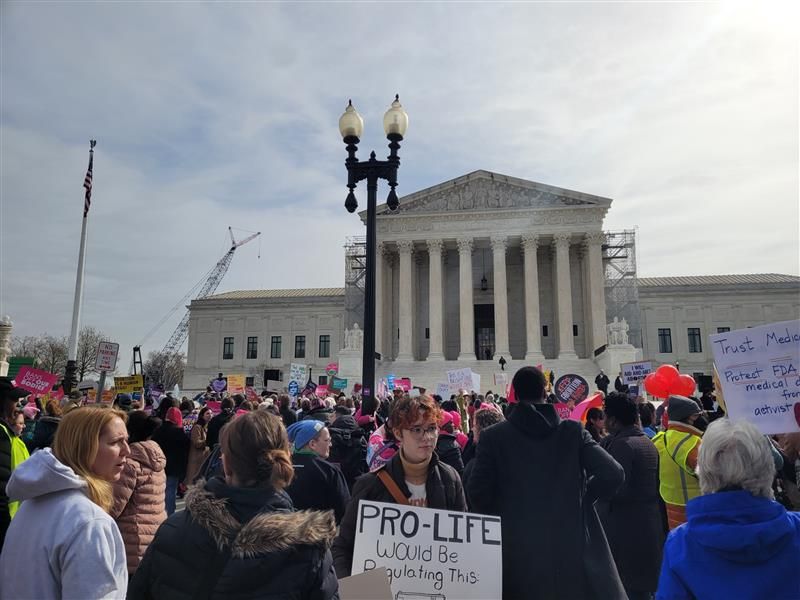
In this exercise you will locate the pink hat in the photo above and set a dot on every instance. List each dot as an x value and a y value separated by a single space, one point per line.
174 416
30 411
456 419
447 418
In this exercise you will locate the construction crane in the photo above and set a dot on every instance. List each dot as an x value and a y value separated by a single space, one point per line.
208 285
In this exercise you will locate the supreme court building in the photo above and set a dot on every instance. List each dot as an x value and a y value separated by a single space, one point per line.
476 268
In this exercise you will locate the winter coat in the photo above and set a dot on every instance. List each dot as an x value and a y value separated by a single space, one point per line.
348 448
198 451
139 499
5 474
321 413
214 427
449 452
288 416
75 544
318 485
632 519
274 552
175 445
733 545
443 489
536 472
44 432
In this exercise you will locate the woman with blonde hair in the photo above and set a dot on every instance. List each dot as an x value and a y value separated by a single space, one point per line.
239 536
63 521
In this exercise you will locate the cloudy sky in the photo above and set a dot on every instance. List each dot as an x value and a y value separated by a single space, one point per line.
686 114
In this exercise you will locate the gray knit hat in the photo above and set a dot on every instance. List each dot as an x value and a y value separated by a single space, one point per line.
681 408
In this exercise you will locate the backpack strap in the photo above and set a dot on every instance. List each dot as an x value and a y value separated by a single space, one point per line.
392 487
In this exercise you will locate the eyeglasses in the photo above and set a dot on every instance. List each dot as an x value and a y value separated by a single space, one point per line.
419 432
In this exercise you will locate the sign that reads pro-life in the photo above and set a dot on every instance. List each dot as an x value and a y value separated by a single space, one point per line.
759 370
430 553
106 356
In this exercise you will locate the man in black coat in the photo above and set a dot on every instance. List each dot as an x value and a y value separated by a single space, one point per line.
9 395
217 422
602 381
532 471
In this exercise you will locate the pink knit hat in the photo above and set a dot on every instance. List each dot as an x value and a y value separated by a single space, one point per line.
174 416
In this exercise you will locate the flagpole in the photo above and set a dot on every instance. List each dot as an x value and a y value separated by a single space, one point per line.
70 375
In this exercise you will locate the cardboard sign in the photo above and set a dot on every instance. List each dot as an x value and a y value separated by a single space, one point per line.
332 369
106 356
372 585
338 384
571 387
128 385
460 379
634 372
430 553
759 370
236 384
35 381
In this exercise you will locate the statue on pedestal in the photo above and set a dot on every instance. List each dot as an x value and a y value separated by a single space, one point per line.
618 332
354 338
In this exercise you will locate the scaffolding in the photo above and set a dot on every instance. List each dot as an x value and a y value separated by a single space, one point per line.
621 288
355 280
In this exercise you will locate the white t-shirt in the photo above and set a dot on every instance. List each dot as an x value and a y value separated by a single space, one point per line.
418 494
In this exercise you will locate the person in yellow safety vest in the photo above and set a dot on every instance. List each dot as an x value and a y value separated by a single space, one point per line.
678 447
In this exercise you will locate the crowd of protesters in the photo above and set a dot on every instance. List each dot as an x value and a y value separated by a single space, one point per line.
624 505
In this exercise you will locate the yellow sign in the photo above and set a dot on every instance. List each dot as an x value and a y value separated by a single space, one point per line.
106 398
128 385
236 384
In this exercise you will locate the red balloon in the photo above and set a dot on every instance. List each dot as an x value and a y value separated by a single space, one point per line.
686 386
655 386
669 374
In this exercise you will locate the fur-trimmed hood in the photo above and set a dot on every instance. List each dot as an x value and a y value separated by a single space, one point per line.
273 529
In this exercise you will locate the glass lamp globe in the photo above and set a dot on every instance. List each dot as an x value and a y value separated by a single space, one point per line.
351 123
395 121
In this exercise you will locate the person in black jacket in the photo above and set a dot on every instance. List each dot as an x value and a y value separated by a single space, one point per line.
46 426
415 469
602 381
239 537
447 448
218 421
483 419
317 484
286 412
175 444
9 395
632 519
542 475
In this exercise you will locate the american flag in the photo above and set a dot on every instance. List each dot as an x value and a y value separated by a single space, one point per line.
87 183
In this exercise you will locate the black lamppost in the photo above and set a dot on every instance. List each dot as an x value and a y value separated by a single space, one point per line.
351 126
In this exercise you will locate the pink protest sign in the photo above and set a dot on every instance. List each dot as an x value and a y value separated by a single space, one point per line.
403 384
35 381
562 410
215 406
321 391
251 393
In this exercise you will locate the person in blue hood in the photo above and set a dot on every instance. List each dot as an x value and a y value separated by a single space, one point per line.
737 541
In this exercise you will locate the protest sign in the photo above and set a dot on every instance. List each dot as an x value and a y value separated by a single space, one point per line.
107 397
273 385
390 382
414 393
128 385
322 390
371 585
430 553
294 388
562 410
106 356
332 369
571 387
215 406
634 372
443 390
759 370
476 383
35 381
501 380
251 394
338 383
460 379
402 383
236 384
299 373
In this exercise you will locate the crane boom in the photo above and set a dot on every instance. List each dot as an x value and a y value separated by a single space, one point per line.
210 285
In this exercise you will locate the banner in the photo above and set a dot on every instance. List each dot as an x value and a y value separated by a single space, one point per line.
106 356
571 387
759 371
430 553
128 385
460 379
338 384
236 384
634 372
35 381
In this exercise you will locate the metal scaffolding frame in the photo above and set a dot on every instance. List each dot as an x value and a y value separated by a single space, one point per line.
355 272
621 285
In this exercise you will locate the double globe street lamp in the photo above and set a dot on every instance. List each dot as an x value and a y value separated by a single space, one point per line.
351 126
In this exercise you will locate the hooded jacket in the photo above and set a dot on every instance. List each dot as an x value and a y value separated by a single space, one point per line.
274 552
175 444
77 545
536 472
733 545
139 499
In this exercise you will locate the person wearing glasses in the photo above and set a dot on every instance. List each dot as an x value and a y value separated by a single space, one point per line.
414 476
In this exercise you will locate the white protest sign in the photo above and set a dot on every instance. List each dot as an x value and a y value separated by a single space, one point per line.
501 380
759 370
430 553
298 373
106 356
476 382
460 379
443 390
634 372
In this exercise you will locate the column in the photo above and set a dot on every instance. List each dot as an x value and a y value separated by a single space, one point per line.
500 298
435 298
406 298
566 348
467 310
379 286
533 324
596 331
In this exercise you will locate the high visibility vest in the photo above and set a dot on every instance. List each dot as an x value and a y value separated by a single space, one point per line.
678 483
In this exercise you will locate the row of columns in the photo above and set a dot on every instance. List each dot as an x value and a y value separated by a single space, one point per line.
596 329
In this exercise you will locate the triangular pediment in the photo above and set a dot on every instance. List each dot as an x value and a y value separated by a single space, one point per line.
486 191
